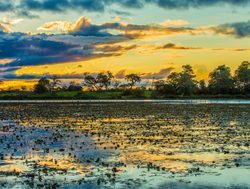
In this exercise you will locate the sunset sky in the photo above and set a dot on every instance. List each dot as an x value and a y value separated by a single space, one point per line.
152 37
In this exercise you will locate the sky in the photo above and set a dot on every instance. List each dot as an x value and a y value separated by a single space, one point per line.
68 38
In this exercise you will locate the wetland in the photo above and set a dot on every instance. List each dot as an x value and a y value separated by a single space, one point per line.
124 145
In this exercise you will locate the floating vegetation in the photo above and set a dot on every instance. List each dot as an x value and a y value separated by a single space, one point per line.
124 145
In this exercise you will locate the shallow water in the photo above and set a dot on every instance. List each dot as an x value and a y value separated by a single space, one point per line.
125 145
217 101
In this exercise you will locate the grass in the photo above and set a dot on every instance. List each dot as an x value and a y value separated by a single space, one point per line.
136 94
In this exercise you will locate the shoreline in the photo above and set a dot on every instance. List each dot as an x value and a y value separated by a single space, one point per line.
176 101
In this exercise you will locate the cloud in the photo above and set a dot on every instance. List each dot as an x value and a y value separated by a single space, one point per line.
12 76
117 18
66 26
41 49
162 74
121 13
177 47
76 44
231 49
115 48
25 13
84 27
9 70
24 76
174 23
102 5
81 27
15 21
56 25
184 4
157 75
5 60
6 6
121 74
83 40
6 24
4 28
238 29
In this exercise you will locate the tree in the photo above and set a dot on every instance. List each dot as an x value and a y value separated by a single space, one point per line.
159 85
221 81
174 78
168 87
133 79
104 79
242 77
202 87
90 81
42 86
74 87
54 83
23 88
187 85
116 84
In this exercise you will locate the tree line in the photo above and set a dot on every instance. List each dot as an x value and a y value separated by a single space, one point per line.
183 83
220 82
102 81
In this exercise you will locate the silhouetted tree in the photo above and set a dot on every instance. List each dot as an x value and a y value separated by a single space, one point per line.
116 84
242 77
104 79
91 81
202 87
23 88
159 85
221 81
42 86
187 85
133 79
171 85
54 83
74 87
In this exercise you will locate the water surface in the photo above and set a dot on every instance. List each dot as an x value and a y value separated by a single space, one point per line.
154 144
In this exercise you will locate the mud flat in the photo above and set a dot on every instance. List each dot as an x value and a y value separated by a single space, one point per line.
125 145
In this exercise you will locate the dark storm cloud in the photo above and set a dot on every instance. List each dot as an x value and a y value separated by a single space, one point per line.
32 50
41 49
183 4
102 5
61 5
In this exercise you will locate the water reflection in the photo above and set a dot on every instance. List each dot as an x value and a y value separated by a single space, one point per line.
102 145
